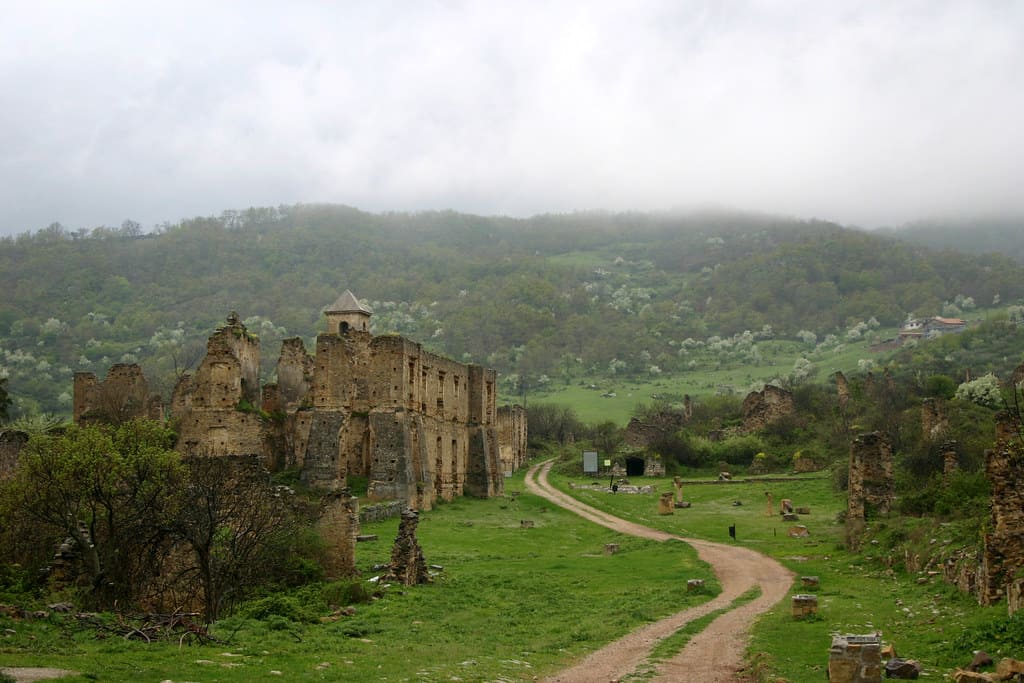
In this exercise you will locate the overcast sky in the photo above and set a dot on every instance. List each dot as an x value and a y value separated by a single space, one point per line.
868 115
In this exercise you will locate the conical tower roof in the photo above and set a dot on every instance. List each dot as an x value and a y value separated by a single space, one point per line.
347 303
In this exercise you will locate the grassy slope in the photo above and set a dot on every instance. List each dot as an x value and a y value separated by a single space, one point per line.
510 604
856 594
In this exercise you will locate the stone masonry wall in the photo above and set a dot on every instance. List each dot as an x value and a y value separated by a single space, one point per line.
217 409
123 395
339 525
761 408
512 437
1003 545
871 483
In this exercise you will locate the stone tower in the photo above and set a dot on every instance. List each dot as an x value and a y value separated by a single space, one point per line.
347 314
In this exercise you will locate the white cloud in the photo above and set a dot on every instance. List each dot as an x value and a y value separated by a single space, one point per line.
869 115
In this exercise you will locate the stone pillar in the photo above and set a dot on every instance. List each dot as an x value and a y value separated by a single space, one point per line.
339 525
665 506
678 484
770 510
871 484
1003 544
408 565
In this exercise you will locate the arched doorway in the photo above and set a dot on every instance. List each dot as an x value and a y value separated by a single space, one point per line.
634 467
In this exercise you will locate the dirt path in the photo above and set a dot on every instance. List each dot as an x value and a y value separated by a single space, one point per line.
716 653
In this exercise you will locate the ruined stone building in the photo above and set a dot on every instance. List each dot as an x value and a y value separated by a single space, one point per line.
417 426
871 483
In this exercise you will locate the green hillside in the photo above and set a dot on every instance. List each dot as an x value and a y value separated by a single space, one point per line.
551 302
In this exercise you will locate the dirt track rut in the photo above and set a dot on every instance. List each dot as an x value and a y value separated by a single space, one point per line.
716 653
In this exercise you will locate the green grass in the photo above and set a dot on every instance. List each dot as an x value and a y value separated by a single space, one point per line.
516 603
511 603
857 593
588 396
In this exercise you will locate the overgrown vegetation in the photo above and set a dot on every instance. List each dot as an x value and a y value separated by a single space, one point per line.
138 525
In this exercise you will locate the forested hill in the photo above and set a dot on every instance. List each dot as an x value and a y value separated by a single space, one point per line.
989 235
523 296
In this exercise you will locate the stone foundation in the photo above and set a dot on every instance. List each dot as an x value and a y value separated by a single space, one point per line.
855 659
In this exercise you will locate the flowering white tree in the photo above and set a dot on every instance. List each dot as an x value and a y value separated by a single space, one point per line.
984 391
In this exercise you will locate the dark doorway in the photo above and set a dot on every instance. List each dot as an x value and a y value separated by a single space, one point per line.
634 467
343 328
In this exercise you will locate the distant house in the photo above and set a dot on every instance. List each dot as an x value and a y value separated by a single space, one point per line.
926 328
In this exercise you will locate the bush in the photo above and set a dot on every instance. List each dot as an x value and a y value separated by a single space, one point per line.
1004 634
280 606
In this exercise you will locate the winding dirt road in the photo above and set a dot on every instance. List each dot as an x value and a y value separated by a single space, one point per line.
716 653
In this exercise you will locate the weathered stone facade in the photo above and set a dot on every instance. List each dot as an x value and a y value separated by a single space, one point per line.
871 483
761 408
512 437
1003 544
122 396
419 427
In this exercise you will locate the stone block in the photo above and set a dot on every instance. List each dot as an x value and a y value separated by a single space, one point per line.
694 585
1008 668
802 510
798 531
611 548
809 581
804 605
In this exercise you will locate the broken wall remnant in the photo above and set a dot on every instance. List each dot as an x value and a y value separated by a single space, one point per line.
642 433
338 525
219 406
761 408
842 389
122 396
934 421
1003 544
408 565
871 484
512 435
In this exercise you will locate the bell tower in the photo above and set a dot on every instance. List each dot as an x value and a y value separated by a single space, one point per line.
346 315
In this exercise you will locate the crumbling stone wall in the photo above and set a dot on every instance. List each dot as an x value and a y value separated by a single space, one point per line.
338 526
642 433
418 426
512 437
220 404
761 408
934 421
842 389
1003 544
871 483
122 396
295 374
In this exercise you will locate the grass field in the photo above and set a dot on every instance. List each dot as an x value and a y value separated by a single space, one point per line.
597 399
511 603
857 593
514 603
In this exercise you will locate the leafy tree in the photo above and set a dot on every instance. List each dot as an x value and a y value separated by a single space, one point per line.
985 391
108 490
240 530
